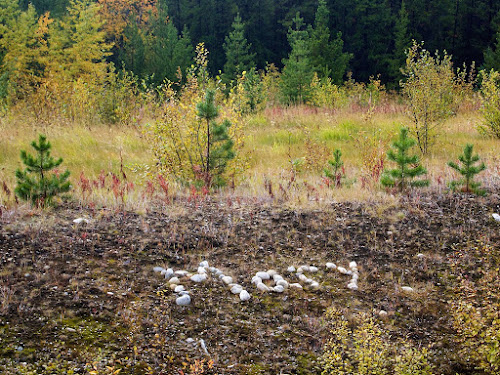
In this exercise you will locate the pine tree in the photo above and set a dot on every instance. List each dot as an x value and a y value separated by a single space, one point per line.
468 170
219 145
237 49
492 56
37 183
402 42
408 166
327 57
297 74
335 172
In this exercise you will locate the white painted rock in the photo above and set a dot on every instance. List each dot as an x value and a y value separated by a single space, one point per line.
179 288
496 217
168 273
272 272
420 255
219 273
278 289
201 270
314 284
309 281
283 283
81 220
183 300
355 277
236 289
213 269
313 269
295 285
353 265
382 313
174 280
244 295
158 269
352 286
331 266
256 280
198 278
343 271
227 279
300 269
204 264
277 278
221 276
407 289
304 268
303 278
181 273
263 275
291 269
263 287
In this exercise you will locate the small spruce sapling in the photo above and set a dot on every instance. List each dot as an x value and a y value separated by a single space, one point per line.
335 169
468 170
408 166
38 182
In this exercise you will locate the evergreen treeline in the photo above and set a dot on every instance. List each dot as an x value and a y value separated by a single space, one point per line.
367 37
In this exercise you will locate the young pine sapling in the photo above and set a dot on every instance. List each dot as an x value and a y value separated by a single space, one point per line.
468 170
334 172
38 182
408 167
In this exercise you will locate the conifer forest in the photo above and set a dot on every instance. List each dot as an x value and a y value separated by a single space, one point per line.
250 187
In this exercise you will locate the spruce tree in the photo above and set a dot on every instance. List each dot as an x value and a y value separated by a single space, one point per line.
37 183
326 55
295 83
402 42
219 145
492 56
334 172
468 170
408 166
237 49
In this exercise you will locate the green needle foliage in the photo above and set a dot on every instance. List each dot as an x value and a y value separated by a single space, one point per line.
37 183
219 145
408 166
468 170
334 172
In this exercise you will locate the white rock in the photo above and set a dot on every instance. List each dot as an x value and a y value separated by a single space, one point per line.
183 300
352 286
343 271
256 280
353 265
277 278
355 277
420 255
168 273
382 313
291 269
263 287
174 280
236 289
213 269
331 266
189 340
221 276
278 289
295 285
314 284
198 278
244 295
303 278
313 269
272 272
283 283
227 279
300 269
179 288
407 289
309 281
158 269
83 220
496 217
204 347
218 273
181 273
204 264
304 268
201 270
263 275
184 293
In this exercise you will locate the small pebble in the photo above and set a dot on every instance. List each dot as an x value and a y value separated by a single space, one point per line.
183 300
244 295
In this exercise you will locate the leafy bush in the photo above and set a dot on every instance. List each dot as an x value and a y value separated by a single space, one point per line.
36 183
490 95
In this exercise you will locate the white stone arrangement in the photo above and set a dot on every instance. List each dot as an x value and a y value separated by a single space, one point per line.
201 275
